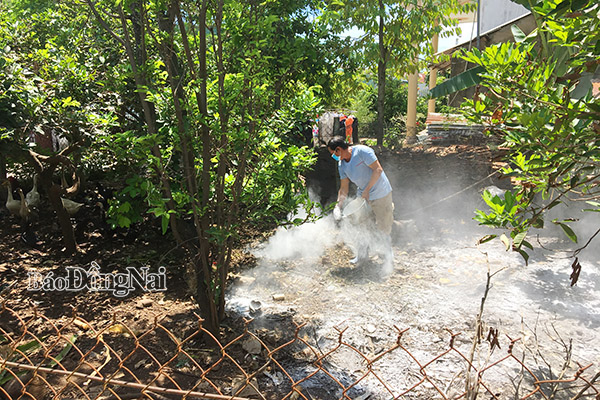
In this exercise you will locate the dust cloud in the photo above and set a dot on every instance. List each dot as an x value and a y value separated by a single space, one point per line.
435 202
439 272
307 241
310 241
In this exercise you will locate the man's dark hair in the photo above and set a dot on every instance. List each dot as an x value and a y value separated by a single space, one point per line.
337 141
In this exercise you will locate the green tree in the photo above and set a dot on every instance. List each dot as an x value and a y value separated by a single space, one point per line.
396 34
210 155
49 91
364 104
300 49
536 95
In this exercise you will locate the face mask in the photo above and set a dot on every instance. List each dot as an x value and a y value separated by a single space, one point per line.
336 158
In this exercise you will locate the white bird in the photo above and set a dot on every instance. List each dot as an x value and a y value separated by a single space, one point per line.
24 210
14 206
33 197
71 206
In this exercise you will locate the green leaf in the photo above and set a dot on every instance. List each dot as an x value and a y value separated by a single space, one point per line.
124 207
459 82
24 348
577 5
554 204
593 204
524 254
574 180
568 231
123 221
165 222
527 244
518 33
64 351
70 102
486 239
584 86
506 241
34 344
538 222
4 379
518 240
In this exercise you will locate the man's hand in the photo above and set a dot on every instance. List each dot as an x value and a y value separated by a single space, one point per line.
337 213
365 195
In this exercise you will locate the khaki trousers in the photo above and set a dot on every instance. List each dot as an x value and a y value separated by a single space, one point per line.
383 209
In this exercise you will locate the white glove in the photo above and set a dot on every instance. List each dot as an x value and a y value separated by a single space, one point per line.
337 213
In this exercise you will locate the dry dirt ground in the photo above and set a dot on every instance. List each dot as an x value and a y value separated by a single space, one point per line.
436 287
302 275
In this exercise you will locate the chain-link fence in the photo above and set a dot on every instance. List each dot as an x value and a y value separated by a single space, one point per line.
175 357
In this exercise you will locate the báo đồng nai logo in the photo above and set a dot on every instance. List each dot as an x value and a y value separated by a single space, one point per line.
120 284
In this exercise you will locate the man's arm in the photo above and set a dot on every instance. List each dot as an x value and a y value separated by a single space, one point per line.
343 192
377 171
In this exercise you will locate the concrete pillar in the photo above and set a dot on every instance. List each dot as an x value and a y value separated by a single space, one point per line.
411 117
432 76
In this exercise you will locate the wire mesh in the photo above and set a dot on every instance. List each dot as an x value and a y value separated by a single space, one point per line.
72 358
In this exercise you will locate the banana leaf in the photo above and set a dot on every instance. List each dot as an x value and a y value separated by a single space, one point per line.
459 82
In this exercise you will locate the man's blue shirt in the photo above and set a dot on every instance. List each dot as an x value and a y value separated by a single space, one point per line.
359 172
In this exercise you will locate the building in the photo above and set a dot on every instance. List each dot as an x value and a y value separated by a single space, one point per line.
490 24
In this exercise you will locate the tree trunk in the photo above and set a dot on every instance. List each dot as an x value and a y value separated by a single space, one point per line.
204 270
205 295
380 102
2 166
54 193
147 107
381 66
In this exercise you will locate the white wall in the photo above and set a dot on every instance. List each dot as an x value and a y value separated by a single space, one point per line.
468 32
498 12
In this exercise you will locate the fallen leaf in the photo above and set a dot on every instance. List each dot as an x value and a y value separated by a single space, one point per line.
119 329
576 271
81 324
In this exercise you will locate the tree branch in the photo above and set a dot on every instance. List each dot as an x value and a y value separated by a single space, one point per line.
576 252
103 22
